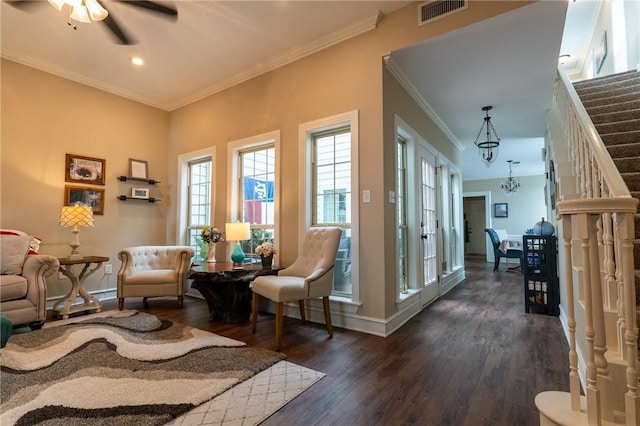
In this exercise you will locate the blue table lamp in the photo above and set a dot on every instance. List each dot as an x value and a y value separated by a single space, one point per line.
239 231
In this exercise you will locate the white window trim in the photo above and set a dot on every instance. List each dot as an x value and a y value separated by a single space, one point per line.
305 133
233 152
183 180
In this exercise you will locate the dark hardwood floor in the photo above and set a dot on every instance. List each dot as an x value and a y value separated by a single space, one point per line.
471 358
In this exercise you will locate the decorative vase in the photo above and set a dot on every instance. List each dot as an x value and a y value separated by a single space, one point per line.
204 250
543 228
211 255
266 261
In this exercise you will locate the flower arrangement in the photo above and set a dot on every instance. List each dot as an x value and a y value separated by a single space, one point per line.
265 249
211 234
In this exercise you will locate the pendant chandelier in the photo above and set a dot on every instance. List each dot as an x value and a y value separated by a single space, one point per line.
487 150
511 186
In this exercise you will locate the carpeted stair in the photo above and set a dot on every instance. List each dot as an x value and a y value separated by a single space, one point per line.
613 103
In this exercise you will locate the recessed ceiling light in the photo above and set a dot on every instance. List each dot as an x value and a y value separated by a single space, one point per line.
136 60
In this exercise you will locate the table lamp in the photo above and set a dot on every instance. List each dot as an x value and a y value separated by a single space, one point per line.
73 217
239 231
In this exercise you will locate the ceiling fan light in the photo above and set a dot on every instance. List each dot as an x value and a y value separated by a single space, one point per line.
80 14
96 12
57 4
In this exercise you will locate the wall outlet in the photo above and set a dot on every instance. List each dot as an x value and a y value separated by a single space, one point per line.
108 269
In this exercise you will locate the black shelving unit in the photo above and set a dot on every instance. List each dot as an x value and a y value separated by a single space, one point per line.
150 182
541 292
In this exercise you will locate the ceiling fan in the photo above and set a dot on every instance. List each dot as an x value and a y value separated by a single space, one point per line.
87 11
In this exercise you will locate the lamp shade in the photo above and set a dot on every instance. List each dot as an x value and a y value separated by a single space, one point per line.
238 231
76 215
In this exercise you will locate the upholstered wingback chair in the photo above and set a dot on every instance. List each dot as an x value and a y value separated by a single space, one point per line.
310 276
153 271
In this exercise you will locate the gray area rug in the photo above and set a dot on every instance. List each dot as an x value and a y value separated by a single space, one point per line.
119 367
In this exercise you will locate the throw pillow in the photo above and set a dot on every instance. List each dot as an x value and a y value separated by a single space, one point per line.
34 247
13 250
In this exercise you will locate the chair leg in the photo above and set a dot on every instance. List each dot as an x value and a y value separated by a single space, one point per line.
180 301
327 315
496 263
144 302
120 303
254 312
279 312
302 315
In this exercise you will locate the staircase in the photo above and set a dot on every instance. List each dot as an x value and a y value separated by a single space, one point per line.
613 104
594 139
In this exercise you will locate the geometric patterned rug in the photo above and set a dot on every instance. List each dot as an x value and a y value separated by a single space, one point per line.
254 400
133 368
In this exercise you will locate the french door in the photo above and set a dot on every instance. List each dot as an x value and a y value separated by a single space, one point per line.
428 226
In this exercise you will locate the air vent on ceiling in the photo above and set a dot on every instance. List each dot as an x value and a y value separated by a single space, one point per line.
432 10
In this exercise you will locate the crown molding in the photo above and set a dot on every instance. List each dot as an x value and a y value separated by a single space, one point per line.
285 58
396 70
78 78
271 64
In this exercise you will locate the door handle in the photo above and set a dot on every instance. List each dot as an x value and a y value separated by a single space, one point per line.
424 236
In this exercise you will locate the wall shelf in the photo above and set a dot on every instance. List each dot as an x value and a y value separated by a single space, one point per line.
149 181
126 197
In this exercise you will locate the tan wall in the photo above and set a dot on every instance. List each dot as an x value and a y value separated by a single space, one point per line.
342 78
45 117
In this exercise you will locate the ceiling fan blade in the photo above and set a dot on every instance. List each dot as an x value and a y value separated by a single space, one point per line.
154 7
117 31
25 5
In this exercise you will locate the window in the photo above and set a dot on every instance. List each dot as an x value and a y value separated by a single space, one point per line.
330 169
257 195
331 202
402 205
253 195
199 200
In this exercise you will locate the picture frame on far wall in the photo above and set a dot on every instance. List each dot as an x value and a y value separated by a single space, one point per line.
138 169
500 210
600 53
87 170
90 196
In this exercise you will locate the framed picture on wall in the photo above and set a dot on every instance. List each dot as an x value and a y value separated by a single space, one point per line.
600 53
138 169
500 210
92 197
86 170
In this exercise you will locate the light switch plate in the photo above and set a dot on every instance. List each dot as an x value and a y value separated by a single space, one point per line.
366 196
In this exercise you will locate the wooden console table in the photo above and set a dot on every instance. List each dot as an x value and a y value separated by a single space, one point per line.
77 287
227 290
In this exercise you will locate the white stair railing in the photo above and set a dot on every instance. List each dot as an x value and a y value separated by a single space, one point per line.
597 229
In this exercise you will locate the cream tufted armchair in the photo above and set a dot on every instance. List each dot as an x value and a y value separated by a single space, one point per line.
310 276
153 271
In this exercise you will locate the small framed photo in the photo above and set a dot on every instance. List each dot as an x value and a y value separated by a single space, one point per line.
140 193
92 197
138 169
500 210
86 170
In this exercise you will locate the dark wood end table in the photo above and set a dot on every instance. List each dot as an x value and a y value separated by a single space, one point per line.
227 290
77 285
